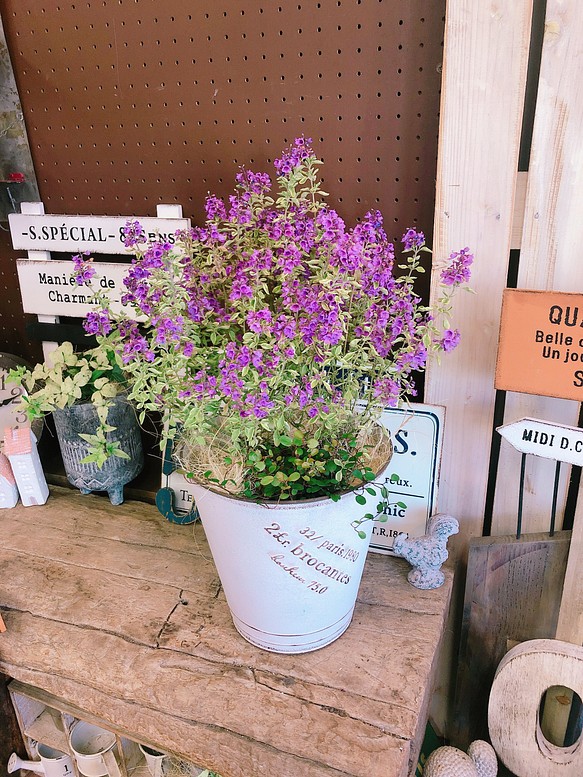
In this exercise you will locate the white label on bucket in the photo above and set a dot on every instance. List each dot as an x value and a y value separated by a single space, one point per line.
413 473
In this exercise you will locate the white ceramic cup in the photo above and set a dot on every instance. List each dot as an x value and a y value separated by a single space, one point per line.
154 760
92 747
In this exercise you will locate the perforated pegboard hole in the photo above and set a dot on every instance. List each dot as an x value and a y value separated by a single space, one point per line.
263 63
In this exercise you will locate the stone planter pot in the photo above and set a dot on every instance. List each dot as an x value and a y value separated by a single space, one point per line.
290 570
116 472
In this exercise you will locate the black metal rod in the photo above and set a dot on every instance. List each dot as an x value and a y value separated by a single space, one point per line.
554 505
520 496
575 722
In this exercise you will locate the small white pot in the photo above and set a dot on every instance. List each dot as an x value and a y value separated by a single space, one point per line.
290 570
92 747
154 760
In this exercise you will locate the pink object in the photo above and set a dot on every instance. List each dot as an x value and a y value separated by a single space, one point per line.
6 470
20 448
17 440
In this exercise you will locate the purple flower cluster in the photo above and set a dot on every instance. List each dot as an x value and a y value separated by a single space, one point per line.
135 343
133 234
98 323
294 156
84 271
412 239
458 270
450 339
253 183
140 291
215 209
274 308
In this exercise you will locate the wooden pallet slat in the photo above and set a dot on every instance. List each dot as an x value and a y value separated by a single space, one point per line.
552 233
484 77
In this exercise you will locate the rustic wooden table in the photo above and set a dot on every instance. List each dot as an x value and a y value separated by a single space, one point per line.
119 612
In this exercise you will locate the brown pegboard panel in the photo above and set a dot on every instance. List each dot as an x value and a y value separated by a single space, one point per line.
13 338
129 103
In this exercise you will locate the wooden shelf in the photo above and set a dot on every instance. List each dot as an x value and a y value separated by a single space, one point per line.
45 729
116 616
46 719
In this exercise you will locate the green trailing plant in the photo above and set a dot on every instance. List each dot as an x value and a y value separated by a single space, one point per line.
67 378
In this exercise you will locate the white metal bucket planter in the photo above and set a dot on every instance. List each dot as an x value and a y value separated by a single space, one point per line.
290 571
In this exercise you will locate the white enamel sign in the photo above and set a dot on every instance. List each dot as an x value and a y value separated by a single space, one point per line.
551 441
46 286
414 470
98 234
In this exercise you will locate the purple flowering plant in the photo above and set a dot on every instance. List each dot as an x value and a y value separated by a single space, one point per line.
273 336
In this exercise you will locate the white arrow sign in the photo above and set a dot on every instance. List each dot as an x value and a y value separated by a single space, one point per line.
551 441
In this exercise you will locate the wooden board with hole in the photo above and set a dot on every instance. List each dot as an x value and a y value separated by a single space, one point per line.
513 594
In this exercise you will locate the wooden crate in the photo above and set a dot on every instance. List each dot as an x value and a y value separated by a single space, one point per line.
46 719
509 186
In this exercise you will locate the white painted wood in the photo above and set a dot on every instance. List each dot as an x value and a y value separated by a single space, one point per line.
167 211
71 234
38 209
484 75
551 243
551 441
47 288
570 625
41 233
486 53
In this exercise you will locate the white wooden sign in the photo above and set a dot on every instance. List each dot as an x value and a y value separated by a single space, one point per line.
46 286
413 474
551 441
98 234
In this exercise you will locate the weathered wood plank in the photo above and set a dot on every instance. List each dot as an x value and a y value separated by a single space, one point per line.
122 614
227 697
570 625
512 595
186 567
484 75
91 515
216 748
186 622
149 547
374 685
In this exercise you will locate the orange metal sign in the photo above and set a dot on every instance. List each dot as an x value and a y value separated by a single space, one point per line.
541 344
